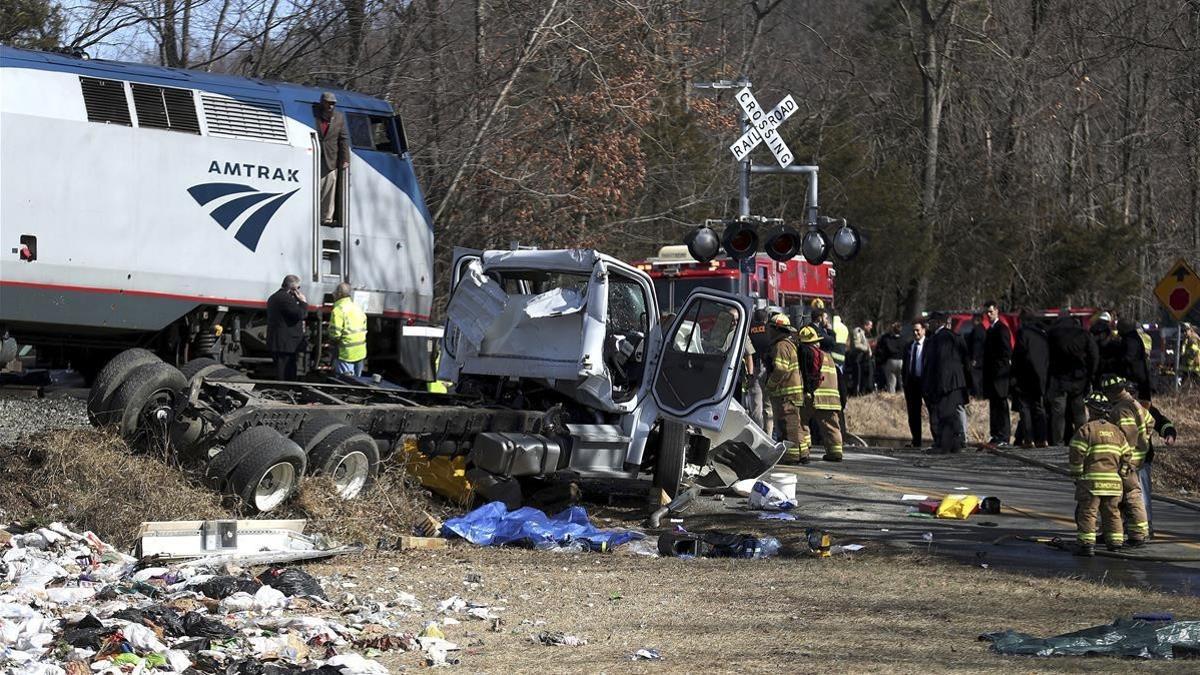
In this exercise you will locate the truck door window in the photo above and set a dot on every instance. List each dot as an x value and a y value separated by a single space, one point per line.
626 306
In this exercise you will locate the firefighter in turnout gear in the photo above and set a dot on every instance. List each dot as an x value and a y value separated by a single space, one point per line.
1190 361
348 330
1136 423
1099 458
786 389
822 403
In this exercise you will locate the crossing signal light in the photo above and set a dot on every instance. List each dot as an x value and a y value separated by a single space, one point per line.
782 243
702 244
740 240
814 246
846 242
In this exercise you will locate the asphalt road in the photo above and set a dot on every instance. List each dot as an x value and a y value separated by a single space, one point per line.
859 500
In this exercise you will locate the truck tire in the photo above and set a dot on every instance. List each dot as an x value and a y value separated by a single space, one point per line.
314 430
672 454
109 378
238 448
225 373
348 456
199 366
143 407
270 472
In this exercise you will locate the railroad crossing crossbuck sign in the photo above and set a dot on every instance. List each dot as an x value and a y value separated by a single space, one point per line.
762 127
1179 289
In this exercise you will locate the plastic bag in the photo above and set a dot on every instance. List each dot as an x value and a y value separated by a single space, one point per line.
219 588
292 581
769 498
197 625
957 507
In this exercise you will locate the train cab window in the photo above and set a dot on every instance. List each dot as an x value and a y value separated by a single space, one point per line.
371 132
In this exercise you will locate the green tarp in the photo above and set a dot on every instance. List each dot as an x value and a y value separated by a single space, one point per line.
1125 637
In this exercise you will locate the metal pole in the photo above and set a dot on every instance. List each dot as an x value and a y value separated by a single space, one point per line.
744 212
1178 354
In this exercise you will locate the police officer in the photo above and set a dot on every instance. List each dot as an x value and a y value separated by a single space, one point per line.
348 330
786 389
822 404
757 382
1099 457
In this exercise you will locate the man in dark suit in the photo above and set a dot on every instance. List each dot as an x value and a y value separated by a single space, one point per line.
1135 359
947 384
335 152
911 372
997 367
976 344
1074 358
1030 368
285 326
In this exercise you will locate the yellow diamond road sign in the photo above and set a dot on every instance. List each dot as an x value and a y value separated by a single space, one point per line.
1179 290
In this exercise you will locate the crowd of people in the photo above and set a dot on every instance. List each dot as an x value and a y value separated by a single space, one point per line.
1089 389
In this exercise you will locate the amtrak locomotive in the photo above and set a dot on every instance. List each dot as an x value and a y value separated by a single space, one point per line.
157 207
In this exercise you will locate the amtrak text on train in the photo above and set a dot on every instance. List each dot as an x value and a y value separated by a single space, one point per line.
254 171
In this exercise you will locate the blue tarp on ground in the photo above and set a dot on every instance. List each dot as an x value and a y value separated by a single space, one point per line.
494 525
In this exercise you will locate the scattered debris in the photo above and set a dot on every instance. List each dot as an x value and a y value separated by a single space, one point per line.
776 516
768 497
684 544
819 542
646 655
957 507
70 603
405 543
914 498
557 639
1124 637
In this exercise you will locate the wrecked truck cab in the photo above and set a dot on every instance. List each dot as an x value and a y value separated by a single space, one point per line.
577 333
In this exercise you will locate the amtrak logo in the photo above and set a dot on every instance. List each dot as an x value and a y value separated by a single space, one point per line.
261 206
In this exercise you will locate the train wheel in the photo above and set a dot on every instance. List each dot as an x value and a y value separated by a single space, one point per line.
144 405
110 377
348 456
270 472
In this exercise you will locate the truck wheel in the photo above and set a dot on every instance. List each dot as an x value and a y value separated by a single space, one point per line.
672 453
144 405
270 472
199 366
236 449
314 430
109 378
225 373
348 456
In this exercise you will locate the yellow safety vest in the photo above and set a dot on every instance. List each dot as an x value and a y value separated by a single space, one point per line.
1191 356
348 328
841 335
1146 341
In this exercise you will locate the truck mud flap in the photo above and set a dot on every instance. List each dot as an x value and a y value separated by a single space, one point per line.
740 450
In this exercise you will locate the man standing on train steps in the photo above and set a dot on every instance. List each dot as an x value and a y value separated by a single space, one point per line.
335 152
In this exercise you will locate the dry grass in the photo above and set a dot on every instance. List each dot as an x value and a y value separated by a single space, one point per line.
1177 468
90 479
873 613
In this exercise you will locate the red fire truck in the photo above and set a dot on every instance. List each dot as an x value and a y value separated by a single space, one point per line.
782 284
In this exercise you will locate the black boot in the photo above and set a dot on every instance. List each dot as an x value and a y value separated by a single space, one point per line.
1086 551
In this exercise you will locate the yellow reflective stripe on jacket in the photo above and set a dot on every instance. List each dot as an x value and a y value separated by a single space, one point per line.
348 328
826 396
